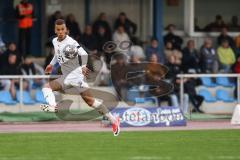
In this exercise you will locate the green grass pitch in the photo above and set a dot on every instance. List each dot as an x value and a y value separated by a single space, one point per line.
163 145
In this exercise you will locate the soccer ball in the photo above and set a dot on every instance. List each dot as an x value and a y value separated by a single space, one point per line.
70 51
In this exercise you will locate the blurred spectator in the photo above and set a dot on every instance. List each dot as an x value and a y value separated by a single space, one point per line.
89 40
226 56
101 21
224 36
154 49
51 23
135 59
190 88
118 71
237 45
2 45
191 58
136 49
154 74
171 37
128 25
209 59
4 83
24 13
215 26
73 27
11 49
120 35
13 69
30 68
173 70
236 68
101 38
172 53
12 66
234 25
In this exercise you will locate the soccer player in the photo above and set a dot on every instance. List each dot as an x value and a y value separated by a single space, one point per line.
67 53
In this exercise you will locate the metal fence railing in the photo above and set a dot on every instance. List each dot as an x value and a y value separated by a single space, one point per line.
183 76
21 78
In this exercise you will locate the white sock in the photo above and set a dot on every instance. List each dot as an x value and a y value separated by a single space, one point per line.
110 117
49 96
98 105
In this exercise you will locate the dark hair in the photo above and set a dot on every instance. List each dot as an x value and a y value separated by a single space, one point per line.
170 25
218 17
59 22
224 41
154 39
122 14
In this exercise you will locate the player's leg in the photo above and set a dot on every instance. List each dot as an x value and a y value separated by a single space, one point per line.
102 109
49 96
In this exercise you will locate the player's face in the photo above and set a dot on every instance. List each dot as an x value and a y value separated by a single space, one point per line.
61 31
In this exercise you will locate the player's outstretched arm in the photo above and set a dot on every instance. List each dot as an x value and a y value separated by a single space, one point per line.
48 69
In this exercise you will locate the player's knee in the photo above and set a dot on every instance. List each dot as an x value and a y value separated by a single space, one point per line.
46 85
88 100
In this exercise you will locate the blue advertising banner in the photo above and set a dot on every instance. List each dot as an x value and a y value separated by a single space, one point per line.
154 116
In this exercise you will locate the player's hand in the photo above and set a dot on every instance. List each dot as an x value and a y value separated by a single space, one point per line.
48 69
85 71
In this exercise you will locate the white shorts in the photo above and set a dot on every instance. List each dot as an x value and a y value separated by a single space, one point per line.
73 83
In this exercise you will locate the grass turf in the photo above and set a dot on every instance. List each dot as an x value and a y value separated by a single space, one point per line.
164 145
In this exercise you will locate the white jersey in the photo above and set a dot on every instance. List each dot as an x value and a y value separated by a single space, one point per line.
67 65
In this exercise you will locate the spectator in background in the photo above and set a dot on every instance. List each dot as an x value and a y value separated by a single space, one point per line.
73 27
101 21
153 75
234 25
89 40
171 37
226 56
28 67
190 88
2 45
236 68
24 12
119 70
154 49
136 49
191 58
14 69
209 59
120 34
101 38
215 26
51 23
129 26
135 59
174 70
172 53
11 49
224 36
237 45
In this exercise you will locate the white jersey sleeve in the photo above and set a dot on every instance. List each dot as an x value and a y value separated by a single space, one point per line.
82 53
84 56
54 60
